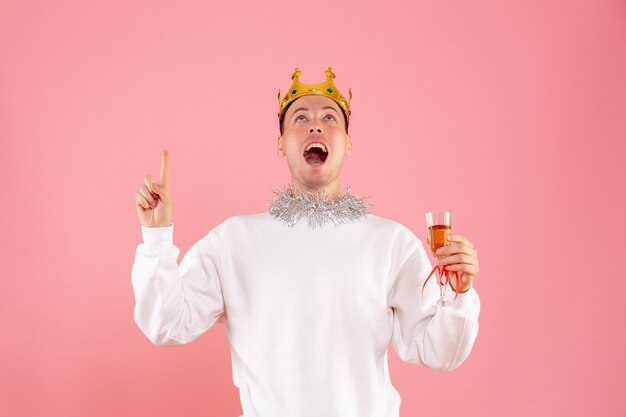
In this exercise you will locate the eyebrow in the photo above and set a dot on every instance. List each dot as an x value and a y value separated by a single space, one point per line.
323 108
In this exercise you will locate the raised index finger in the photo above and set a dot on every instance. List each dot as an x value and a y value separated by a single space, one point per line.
165 168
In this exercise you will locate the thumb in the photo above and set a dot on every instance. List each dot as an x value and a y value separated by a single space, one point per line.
156 188
162 192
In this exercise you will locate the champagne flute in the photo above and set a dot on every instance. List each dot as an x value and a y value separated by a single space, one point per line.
439 227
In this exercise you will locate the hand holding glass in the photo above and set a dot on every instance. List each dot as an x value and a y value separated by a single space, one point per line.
439 227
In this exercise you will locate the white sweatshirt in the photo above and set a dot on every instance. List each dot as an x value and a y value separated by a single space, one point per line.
309 312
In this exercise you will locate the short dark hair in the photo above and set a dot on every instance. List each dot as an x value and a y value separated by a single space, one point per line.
281 122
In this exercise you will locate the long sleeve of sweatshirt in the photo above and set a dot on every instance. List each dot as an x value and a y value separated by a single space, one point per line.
440 338
176 304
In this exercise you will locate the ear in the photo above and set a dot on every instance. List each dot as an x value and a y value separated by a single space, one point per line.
281 151
349 146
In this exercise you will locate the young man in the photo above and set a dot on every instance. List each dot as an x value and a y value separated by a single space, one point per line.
311 292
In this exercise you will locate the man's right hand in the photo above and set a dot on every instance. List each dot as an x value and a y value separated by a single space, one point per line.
154 201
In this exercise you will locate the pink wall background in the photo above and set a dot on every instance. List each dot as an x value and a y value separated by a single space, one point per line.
510 114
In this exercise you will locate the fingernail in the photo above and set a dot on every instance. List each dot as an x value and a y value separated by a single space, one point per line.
439 250
450 237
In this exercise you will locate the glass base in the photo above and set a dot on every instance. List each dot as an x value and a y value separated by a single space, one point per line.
443 302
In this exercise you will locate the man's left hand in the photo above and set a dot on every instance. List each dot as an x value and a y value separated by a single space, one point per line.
460 256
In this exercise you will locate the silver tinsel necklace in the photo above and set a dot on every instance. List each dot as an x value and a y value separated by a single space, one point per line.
317 209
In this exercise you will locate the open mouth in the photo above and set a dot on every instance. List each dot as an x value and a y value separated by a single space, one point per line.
315 154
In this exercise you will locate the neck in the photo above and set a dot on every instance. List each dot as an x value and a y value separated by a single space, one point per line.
331 192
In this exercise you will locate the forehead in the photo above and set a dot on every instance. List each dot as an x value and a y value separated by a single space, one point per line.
312 102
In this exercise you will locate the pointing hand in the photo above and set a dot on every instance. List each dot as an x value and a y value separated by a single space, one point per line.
154 201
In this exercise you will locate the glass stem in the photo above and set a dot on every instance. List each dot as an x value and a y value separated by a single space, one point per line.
442 286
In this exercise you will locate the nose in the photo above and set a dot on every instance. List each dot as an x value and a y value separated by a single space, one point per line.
315 129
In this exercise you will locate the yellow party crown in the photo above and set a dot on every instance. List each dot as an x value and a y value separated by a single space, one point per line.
326 88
